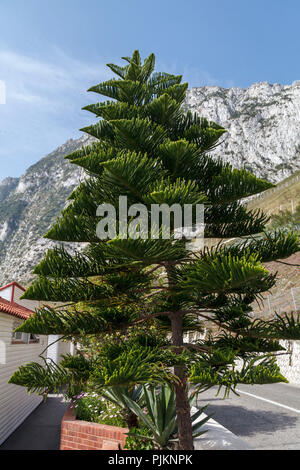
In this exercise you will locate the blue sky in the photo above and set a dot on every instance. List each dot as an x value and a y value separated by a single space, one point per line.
52 51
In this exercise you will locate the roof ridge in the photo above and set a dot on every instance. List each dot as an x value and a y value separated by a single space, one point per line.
13 283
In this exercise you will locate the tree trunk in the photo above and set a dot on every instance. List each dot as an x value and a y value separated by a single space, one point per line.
183 409
132 421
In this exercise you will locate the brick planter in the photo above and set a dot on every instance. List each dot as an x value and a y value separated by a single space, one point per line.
82 435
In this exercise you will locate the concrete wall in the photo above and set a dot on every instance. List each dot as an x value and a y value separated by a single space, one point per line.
290 363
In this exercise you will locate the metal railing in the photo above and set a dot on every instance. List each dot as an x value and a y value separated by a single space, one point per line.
281 302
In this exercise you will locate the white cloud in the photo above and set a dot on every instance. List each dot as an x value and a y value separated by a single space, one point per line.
37 82
43 105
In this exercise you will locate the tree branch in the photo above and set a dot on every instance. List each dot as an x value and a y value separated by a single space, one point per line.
288 264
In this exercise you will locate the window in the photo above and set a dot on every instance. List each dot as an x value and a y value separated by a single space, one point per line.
23 338
34 338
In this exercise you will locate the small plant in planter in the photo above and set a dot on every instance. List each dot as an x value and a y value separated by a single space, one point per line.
93 408
160 418
113 411
109 407
154 409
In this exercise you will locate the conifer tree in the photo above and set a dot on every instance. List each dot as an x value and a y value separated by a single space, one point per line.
149 149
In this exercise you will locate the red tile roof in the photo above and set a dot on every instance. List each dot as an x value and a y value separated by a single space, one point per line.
12 308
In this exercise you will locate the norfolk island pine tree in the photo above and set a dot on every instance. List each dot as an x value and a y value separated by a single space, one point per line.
148 149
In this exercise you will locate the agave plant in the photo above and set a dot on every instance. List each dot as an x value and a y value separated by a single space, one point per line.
161 418
120 395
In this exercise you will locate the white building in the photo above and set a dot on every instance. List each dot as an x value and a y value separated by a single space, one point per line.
17 349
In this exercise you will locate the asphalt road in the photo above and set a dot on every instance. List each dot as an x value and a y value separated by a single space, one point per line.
265 416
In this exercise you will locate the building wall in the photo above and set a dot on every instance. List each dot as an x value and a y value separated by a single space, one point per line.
15 403
64 347
7 293
31 304
56 349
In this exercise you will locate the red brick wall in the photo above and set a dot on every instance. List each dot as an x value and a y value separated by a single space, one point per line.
82 435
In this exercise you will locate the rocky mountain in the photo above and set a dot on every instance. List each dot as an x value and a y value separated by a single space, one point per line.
28 207
263 124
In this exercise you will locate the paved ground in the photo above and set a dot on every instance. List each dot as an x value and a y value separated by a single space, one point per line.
41 430
265 416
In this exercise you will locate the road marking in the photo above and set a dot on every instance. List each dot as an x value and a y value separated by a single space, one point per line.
269 401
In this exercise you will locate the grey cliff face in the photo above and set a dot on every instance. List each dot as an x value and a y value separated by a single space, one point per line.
263 124
29 206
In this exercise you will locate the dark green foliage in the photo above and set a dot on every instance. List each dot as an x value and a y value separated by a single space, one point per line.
90 321
256 370
50 378
133 364
282 326
269 245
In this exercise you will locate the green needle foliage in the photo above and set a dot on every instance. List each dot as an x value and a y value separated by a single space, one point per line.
148 149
